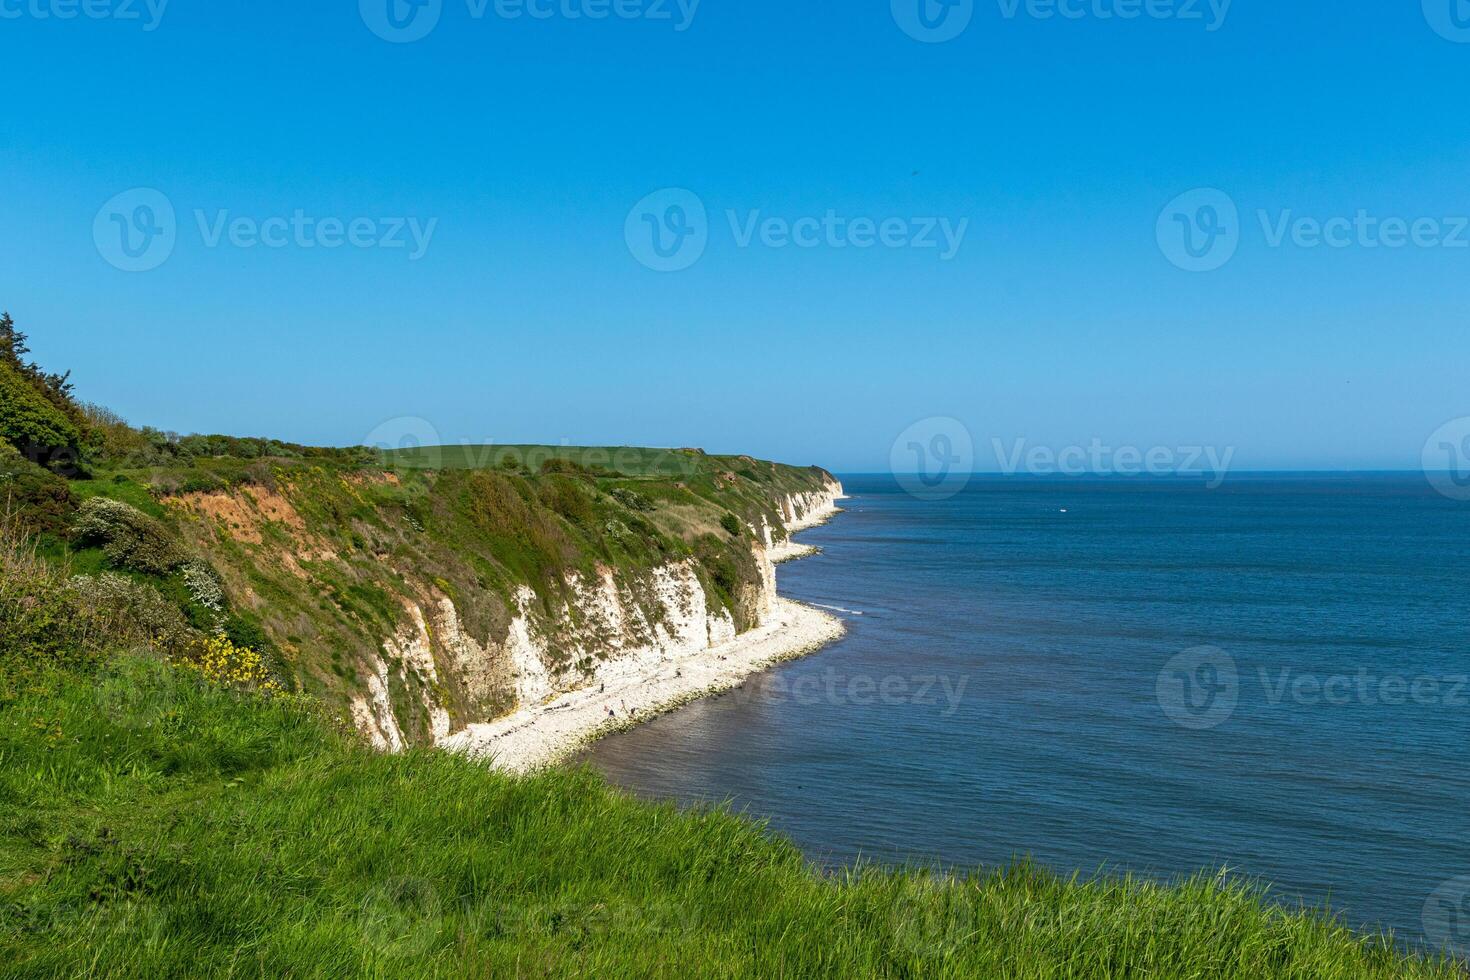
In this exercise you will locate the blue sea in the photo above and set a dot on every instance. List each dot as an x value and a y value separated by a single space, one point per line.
1120 675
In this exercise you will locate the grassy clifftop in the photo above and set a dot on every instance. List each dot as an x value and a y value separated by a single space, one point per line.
152 825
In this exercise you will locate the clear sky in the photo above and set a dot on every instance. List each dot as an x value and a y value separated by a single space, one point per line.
1059 312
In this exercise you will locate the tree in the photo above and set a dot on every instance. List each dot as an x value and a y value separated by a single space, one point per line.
38 415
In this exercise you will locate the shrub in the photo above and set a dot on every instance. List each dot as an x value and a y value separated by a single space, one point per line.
35 619
564 495
130 538
38 498
113 612
732 525
631 499
49 616
204 588
219 661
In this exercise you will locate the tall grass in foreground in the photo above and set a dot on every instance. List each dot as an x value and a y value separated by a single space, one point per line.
152 826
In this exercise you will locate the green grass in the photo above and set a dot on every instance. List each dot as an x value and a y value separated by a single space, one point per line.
152 827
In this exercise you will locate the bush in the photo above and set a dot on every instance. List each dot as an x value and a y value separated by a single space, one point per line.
564 495
130 538
220 662
113 612
732 525
38 498
49 616
631 499
35 619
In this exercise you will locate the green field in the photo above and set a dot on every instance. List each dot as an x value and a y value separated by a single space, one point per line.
153 826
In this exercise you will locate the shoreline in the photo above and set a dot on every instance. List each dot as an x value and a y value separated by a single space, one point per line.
535 737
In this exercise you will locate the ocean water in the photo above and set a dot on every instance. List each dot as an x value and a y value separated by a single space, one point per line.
1152 676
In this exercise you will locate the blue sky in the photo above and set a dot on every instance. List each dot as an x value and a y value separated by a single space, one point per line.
524 144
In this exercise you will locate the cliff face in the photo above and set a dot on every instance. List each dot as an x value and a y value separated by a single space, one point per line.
607 627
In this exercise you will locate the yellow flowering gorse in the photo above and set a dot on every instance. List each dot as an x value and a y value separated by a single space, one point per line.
220 662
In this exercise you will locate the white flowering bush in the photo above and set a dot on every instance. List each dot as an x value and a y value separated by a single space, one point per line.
114 611
130 538
205 589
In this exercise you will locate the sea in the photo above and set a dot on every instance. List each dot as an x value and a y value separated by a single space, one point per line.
1157 676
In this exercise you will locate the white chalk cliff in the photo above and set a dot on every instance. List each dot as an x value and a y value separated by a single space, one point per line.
607 631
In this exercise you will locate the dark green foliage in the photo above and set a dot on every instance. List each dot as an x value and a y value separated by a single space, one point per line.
732 525
38 498
38 416
244 632
39 430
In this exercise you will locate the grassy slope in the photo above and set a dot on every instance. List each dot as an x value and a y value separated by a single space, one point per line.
151 827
